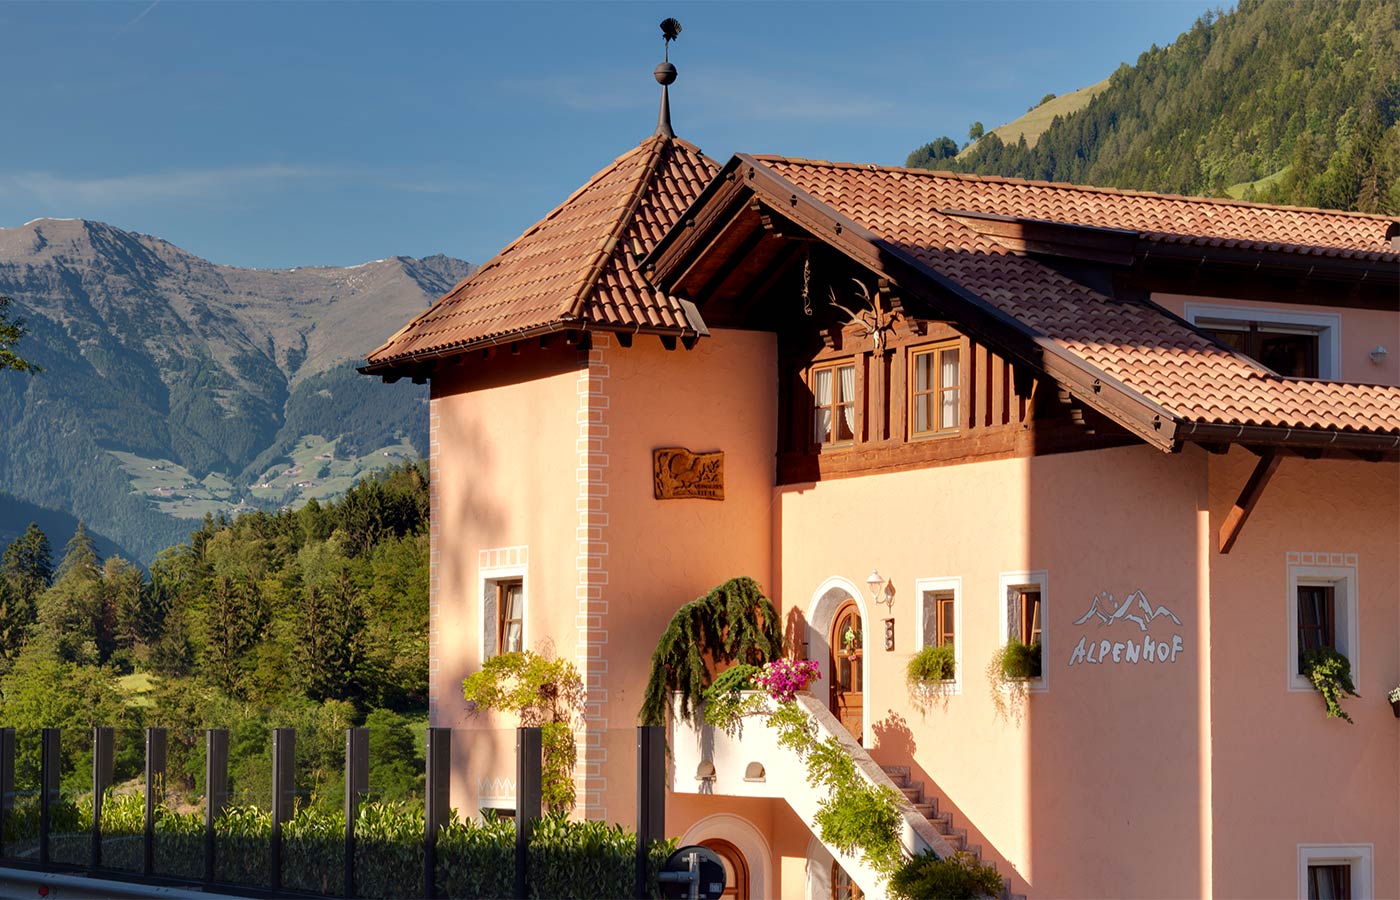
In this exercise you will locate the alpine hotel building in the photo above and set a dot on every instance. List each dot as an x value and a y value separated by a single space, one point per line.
1156 435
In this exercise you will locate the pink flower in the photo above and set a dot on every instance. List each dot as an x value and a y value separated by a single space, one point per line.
783 678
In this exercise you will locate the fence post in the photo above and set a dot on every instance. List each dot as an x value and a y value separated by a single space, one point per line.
284 742
356 786
7 781
48 786
528 769
651 797
436 801
215 790
102 771
155 793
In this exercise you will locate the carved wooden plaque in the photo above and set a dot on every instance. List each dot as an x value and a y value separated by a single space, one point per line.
677 474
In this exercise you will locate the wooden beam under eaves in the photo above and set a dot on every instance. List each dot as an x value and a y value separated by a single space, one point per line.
1234 522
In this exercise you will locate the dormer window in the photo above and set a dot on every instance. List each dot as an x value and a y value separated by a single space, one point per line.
1291 343
1288 351
834 404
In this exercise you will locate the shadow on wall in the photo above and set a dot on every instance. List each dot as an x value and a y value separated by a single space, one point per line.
795 633
1112 749
895 744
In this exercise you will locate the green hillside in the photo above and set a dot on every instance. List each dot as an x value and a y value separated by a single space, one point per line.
1041 116
1281 102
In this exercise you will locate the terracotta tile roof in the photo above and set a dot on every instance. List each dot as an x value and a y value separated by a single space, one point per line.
1166 218
574 266
1138 344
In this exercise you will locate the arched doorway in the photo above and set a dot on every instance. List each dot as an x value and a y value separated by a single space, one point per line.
736 868
842 887
847 643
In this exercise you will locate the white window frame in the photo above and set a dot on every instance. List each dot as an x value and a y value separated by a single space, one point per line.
1358 856
1039 578
489 577
1339 570
951 585
1327 327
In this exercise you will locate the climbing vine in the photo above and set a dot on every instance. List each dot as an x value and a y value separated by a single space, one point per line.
854 814
547 693
732 623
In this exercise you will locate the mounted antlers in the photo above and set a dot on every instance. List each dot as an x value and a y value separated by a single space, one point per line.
876 321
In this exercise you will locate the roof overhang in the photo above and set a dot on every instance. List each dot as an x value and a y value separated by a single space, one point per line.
924 292
417 365
674 266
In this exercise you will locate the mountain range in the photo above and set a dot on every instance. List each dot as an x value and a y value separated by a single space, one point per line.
173 387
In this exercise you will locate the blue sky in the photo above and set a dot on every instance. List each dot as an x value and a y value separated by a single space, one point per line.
281 134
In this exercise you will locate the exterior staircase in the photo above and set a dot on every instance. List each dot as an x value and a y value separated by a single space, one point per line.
750 762
942 821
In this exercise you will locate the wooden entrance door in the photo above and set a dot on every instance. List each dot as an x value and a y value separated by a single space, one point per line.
847 677
736 868
842 887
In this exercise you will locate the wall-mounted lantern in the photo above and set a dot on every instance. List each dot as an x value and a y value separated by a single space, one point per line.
881 589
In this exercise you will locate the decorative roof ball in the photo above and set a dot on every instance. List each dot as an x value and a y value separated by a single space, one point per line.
665 73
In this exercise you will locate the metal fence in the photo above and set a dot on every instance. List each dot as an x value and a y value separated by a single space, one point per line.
436 807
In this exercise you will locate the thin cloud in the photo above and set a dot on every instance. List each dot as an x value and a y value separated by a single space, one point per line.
58 191
144 13
585 94
182 185
751 96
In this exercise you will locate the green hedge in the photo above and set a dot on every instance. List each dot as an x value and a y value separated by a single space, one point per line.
583 860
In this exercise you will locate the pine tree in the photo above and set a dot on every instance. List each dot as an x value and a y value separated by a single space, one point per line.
232 626
80 554
28 565
15 619
70 614
329 637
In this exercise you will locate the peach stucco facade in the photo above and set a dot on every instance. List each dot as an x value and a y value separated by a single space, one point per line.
1043 413
542 471
1194 768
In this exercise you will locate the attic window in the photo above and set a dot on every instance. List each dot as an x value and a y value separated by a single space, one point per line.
1300 345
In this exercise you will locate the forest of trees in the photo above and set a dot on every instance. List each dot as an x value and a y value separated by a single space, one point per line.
315 618
1276 101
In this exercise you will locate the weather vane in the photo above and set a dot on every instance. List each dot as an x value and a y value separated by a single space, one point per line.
666 76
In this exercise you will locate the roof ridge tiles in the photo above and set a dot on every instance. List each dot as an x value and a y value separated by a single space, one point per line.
1092 188
587 281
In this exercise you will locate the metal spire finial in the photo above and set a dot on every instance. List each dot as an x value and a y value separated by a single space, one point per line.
666 76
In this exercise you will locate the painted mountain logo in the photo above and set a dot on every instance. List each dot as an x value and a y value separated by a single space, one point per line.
1144 613
1135 608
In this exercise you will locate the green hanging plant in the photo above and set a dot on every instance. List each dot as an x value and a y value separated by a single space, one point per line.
1330 673
1009 671
732 623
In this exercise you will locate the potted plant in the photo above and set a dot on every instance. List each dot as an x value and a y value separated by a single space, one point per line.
1330 673
929 674
931 666
1394 697
1020 660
